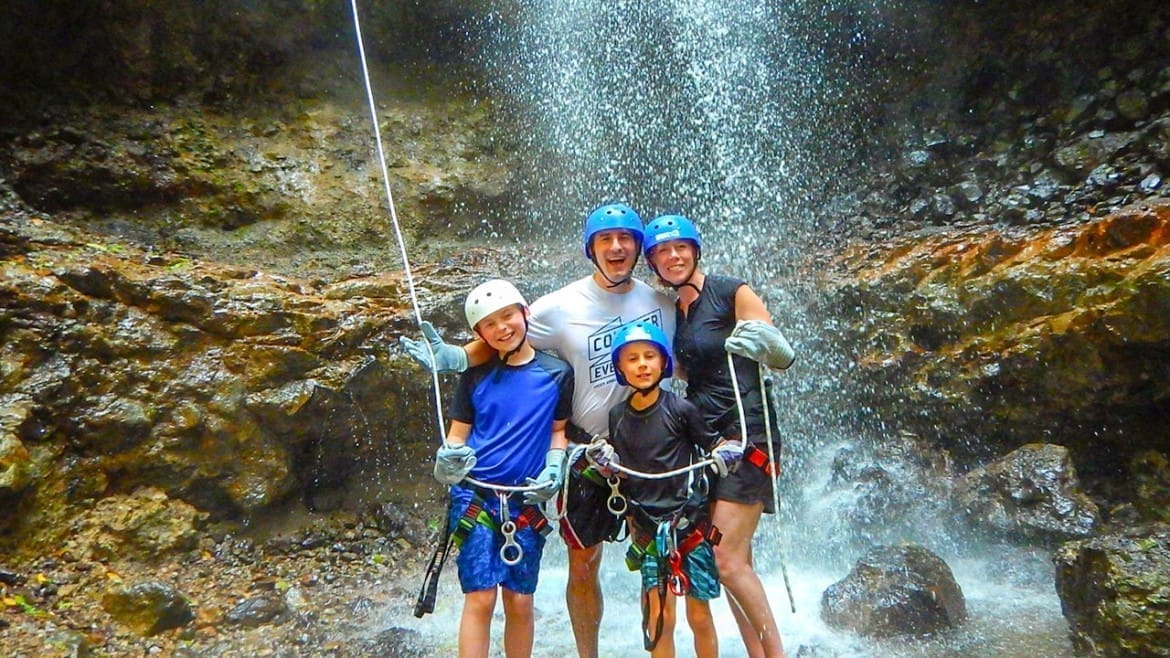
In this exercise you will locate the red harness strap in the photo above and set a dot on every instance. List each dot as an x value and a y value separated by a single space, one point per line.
759 459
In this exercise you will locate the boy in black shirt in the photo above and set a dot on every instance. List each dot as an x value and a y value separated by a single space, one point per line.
654 433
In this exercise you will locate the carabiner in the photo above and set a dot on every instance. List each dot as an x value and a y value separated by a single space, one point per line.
511 553
616 502
678 581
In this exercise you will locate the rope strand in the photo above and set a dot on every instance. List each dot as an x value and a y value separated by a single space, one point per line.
394 213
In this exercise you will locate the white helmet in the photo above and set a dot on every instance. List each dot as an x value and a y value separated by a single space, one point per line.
489 297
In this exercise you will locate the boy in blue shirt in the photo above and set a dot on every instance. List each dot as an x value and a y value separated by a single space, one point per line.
507 434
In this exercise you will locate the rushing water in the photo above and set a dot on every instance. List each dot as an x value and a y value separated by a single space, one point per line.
739 114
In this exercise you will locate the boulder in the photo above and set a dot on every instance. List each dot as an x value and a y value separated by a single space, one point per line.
895 590
1115 592
1032 493
148 607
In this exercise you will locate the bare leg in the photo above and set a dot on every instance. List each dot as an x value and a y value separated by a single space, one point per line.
475 624
518 624
750 642
583 598
703 627
665 607
733 555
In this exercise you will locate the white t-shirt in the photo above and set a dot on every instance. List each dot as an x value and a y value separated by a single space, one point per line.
577 323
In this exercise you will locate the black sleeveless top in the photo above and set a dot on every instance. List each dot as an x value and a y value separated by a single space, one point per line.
698 346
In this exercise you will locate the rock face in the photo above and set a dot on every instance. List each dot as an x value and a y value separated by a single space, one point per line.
226 388
1115 592
1032 493
985 340
895 590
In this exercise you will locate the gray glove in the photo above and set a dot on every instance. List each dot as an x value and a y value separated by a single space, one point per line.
727 456
550 479
760 342
601 454
448 358
453 463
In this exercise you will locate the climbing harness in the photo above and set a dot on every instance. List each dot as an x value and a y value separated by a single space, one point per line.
425 603
477 514
674 538
772 472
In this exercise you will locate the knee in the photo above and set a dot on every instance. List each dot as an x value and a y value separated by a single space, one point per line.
731 565
700 621
480 604
518 607
584 564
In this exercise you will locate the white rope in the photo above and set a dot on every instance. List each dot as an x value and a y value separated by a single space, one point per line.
506 488
775 482
665 474
738 400
393 213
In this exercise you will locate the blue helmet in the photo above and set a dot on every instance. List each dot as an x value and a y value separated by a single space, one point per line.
671 227
637 331
609 217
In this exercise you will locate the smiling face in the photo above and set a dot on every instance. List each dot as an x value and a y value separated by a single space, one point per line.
615 252
641 363
674 260
504 330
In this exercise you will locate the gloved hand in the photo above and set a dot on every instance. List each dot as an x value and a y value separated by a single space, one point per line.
727 456
760 342
550 479
453 463
448 358
603 458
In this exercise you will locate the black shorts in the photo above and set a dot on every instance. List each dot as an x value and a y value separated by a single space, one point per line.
749 484
588 521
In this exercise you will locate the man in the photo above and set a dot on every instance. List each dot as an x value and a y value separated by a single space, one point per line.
578 322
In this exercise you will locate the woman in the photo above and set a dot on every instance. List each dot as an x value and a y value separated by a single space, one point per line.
717 315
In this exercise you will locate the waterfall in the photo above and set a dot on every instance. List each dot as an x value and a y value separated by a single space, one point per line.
742 115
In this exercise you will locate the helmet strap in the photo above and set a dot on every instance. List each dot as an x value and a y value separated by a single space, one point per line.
645 391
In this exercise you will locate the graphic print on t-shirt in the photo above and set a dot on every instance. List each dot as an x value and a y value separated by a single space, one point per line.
600 365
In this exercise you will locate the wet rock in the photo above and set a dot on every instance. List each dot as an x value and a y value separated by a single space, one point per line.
15 463
1032 493
1113 591
1149 475
9 577
257 611
895 590
146 524
398 642
71 644
1132 104
148 608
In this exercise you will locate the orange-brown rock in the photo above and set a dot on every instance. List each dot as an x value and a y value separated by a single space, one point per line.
994 338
